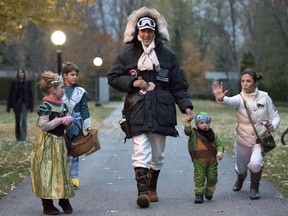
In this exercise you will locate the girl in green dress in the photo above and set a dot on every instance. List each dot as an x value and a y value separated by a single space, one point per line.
50 170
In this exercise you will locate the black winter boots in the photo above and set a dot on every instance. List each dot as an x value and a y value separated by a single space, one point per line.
254 187
66 206
239 182
198 199
49 208
153 178
141 176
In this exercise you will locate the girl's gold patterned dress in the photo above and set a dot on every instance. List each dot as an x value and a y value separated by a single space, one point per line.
50 169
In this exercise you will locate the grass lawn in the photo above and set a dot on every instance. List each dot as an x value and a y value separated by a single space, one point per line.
15 156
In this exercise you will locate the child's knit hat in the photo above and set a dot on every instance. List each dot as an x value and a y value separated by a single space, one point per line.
202 116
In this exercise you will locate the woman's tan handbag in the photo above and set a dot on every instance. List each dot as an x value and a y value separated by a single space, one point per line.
85 144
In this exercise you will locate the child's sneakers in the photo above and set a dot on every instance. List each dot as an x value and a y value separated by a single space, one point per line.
209 197
76 183
208 193
198 199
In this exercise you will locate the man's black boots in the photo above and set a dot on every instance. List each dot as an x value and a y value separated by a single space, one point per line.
141 176
153 178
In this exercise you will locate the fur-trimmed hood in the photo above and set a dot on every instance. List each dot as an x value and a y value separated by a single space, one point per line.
161 24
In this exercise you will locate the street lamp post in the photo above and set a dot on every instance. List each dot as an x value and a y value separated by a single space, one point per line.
58 38
97 62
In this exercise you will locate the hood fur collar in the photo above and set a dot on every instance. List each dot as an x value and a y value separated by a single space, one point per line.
161 24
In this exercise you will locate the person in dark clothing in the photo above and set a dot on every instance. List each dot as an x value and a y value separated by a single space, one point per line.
20 99
150 75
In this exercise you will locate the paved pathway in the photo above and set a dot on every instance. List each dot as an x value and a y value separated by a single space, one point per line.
108 186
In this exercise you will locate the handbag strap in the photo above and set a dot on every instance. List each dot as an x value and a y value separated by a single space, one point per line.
249 116
80 129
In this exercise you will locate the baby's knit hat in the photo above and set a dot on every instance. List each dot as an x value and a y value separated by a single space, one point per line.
202 116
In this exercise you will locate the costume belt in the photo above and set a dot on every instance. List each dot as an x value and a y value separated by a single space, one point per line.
203 154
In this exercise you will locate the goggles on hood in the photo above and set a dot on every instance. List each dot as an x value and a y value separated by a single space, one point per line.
146 22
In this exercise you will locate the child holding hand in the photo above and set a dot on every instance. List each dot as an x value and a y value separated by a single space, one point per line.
205 149
50 170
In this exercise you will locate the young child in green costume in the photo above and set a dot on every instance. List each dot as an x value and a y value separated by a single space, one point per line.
205 148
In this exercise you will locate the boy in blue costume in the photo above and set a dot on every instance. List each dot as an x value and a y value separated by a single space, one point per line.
75 98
